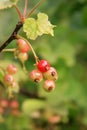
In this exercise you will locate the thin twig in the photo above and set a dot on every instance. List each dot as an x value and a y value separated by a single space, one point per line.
35 7
9 50
12 36
18 11
30 95
25 8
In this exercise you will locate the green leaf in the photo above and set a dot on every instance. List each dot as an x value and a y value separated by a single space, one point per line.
44 26
31 105
35 28
7 3
31 29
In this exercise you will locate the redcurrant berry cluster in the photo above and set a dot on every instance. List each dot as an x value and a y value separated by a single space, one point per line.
3 105
44 71
9 80
11 107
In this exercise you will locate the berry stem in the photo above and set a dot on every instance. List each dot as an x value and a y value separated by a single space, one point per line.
25 9
35 7
35 56
9 50
19 13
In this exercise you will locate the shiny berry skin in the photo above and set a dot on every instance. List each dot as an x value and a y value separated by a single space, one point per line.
8 79
14 104
12 69
51 74
23 57
49 85
36 76
43 66
23 46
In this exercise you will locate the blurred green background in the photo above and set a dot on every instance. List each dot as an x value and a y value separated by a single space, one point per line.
65 108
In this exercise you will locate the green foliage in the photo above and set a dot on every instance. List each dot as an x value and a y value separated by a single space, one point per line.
35 28
31 105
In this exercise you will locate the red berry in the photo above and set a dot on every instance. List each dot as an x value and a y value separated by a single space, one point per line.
12 69
23 46
14 104
49 85
3 103
35 75
8 79
43 66
23 56
51 74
